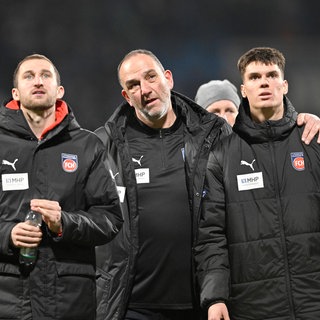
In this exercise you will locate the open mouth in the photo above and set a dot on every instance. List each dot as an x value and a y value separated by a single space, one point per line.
265 95
38 92
150 101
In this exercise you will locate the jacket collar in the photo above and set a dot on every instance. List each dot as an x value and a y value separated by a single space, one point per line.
12 119
194 116
268 130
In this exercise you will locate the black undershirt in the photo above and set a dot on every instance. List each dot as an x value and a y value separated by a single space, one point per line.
163 274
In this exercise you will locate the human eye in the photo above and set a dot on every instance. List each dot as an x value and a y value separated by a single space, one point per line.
133 86
254 77
151 77
273 75
46 75
28 76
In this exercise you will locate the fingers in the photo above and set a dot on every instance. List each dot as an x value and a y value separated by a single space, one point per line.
45 204
301 119
218 311
310 132
25 235
312 127
50 211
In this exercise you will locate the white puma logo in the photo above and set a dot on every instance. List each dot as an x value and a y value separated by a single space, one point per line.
113 175
248 164
137 161
12 164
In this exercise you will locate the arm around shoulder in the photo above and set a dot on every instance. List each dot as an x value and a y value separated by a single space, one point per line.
312 126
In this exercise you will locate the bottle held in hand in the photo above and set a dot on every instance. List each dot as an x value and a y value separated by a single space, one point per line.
28 256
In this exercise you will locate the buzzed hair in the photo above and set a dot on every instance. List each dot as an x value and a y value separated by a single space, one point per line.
264 55
31 57
137 52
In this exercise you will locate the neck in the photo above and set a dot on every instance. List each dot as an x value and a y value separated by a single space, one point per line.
267 114
39 119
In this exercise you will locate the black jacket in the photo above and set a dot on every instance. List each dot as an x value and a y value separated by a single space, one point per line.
65 166
116 261
259 237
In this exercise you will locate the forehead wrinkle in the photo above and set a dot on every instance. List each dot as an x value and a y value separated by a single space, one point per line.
129 81
41 71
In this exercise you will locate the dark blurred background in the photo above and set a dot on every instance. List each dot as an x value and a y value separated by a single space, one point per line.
197 40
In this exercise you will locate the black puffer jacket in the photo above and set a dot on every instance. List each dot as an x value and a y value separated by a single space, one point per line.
116 261
259 237
62 284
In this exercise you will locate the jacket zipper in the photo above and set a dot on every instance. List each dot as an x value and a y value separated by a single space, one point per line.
282 233
163 155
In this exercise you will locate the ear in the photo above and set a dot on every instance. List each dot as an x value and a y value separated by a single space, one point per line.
125 95
15 94
243 91
168 75
285 86
60 92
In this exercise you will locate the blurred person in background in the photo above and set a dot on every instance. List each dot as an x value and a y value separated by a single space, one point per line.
219 97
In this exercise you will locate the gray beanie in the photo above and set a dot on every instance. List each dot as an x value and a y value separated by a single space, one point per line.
216 90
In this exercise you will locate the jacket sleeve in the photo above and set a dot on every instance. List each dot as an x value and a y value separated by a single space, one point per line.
226 130
211 254
5 237
102 218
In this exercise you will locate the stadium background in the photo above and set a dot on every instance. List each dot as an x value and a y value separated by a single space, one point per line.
198 40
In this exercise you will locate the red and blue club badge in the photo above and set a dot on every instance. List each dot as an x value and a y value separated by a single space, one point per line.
297 160
69 162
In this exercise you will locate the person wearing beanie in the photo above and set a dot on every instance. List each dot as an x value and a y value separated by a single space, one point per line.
219 97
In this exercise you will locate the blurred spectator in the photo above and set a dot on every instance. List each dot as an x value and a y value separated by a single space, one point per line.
219 97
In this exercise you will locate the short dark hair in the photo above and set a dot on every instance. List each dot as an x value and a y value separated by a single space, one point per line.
265 55
31 57
136 52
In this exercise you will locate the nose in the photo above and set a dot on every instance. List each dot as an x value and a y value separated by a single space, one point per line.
264 81
224 116
220 113
145 88
38 80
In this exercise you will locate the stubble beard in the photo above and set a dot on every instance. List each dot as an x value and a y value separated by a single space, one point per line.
38 104
152 115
